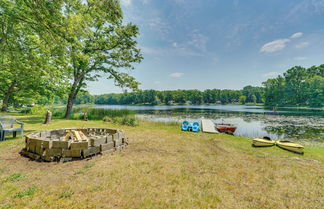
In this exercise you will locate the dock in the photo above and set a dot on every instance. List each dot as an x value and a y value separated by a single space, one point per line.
208 126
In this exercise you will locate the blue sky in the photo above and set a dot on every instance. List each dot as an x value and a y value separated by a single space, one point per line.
225 44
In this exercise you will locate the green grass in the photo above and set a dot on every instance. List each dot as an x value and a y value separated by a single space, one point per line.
163 167
15 177
26 193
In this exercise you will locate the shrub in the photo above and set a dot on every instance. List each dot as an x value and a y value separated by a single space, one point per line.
126 120
107 119
38 110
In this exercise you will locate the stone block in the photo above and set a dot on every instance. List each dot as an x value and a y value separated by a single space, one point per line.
94 150
107 146
60 144
53 152
33 156
118 142
72 153
31 148
115 136
35 142
47 144
85 153
79 145
121 135
111 131
39 150
90 151
97 141
109 138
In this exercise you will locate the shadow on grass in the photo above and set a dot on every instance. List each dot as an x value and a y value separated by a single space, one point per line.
32 119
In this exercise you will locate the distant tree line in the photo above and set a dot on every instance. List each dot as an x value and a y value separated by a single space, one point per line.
152 97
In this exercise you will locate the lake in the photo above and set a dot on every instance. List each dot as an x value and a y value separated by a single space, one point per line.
305 125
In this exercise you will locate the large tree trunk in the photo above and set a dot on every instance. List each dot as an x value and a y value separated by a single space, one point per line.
6 97
69 104
76 86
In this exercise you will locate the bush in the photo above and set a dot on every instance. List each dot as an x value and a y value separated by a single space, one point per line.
107 119
35 110
126 120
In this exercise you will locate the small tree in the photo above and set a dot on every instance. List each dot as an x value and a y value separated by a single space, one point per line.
254 99
242 99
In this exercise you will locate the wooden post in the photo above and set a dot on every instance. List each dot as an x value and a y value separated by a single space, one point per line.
48 117
85 116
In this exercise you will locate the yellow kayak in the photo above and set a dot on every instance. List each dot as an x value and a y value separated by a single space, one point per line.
288 145
265 142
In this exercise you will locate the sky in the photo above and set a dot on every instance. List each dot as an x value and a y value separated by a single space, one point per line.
223 44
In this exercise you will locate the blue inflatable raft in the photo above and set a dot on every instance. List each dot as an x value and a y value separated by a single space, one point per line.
184 125
194 127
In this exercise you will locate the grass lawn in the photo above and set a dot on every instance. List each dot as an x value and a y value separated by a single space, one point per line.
163 168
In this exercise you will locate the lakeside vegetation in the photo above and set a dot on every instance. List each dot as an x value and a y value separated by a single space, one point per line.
162 168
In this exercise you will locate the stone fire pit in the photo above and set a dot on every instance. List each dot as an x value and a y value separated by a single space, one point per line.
72 144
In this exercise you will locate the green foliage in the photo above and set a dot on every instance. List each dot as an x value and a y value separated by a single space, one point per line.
35 110
253 94
29 69
125 120
93 113
38 110
297 87
153 97
242 99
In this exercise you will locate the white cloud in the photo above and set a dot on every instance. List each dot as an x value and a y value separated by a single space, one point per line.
274 46
157 82
270 74
157 24
175 44
300 58
302 45
126 3
296 35
198 40
176 75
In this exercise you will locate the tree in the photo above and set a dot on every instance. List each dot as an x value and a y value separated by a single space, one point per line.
97 42
26 67
254 99
299 86
242 99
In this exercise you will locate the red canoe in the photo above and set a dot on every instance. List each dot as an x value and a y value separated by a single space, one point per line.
225 128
